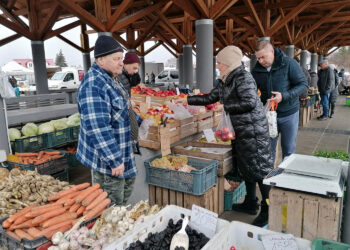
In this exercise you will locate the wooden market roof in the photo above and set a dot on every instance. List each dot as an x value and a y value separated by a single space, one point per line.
314 25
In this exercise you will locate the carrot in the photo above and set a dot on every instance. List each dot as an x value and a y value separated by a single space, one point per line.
21 234
91 197
86 192
40 155
33 231
19 220
68 191
53 157
71 195
26 224
98 199
26 154
6 223
48 215
98 209
52 152
69 203
75 207
61 229
13 235
59 219
62 201
80 211
37 162
54 227
41 210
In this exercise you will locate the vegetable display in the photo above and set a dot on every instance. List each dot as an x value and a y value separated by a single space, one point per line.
20 189
60 215
34 158
173 162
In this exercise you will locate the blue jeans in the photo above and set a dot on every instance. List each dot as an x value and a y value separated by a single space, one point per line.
288 128
325 104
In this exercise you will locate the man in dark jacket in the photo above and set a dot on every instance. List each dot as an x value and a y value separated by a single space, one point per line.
326 84
334 93
280 79
130 77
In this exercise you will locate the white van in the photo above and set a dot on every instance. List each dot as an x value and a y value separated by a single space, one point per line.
168 78
68 78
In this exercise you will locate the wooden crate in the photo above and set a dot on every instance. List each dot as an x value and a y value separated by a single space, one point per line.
308 216
204 124
137 98
304 115
158 100
153 138
203 116
225 160
216 118
164 196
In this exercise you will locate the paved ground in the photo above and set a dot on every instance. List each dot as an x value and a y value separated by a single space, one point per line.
330 135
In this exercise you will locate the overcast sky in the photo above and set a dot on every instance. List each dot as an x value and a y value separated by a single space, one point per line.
21 48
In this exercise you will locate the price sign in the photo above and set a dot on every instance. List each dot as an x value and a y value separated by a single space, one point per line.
148 100
203 220
164 140
177 91
279 241
209 135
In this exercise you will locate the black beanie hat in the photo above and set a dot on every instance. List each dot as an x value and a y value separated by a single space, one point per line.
106 45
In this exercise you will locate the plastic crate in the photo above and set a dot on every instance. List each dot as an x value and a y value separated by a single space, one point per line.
347 101
48 168
232 197
58 137
30 144
196 182
156 224
7 242
239 235
323 244
74 133
62 176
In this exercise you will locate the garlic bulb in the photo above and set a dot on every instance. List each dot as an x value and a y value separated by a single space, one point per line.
56 238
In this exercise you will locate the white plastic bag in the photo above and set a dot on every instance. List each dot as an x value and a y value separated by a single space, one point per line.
180 112
6 90
271 115
143 129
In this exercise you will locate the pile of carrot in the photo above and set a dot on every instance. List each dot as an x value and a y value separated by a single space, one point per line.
60 215
71 150
38 158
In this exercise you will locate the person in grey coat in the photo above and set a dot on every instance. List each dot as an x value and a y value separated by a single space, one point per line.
334 93
326 83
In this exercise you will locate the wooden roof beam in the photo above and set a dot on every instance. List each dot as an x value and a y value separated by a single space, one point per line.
121 40
102 10
11 3
229 30
202 7
255 16
15 27
286 26
118 12
9 13
153 47
172 28
9 39
319 23
82 14
242 22
188 7
168 49
55 32
70 43
323 36
122 23
332 51
331 41
50 20
220 36
220 7
292 14
160 33
33 18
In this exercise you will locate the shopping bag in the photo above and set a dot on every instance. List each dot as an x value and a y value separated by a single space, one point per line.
225 130
6 90
271 115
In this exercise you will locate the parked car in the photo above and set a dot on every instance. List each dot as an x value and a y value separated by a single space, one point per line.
168 78
67 78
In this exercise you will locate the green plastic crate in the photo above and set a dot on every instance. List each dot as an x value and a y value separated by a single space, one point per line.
323 244
59 137
30 144
348 101
196 182
74 133
232 197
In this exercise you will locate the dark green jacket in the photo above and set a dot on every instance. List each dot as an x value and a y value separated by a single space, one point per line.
286 77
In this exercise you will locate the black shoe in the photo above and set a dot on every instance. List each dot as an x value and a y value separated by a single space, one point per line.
248 206
331 115
323 118
262 218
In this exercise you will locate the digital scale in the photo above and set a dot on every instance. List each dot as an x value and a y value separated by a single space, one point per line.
311 174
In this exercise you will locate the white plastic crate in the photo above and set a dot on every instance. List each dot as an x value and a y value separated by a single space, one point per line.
157 224
244 236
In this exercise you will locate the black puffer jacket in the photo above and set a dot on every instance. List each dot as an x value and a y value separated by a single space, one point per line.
128 80
240 99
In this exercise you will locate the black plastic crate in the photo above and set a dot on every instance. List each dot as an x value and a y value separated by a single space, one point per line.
48 167
7 242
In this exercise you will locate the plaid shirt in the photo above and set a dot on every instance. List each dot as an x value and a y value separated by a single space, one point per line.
105 138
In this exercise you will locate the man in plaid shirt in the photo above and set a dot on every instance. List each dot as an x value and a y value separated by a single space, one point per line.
105 144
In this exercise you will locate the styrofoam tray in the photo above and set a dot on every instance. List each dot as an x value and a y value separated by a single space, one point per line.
157 224
241 236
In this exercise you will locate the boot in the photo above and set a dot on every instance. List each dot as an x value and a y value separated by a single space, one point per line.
263 216
248 206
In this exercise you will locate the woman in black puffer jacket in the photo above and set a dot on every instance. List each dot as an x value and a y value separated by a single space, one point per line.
237 92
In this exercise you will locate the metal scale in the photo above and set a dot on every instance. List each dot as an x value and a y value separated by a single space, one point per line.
311 174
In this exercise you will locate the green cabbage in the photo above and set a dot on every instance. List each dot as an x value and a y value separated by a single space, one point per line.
59 124
30 129
73 121
46 128
14 134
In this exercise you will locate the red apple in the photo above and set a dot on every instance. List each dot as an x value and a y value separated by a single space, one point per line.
218 133
230 136
224 138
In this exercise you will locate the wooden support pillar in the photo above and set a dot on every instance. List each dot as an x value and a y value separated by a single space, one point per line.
102 10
